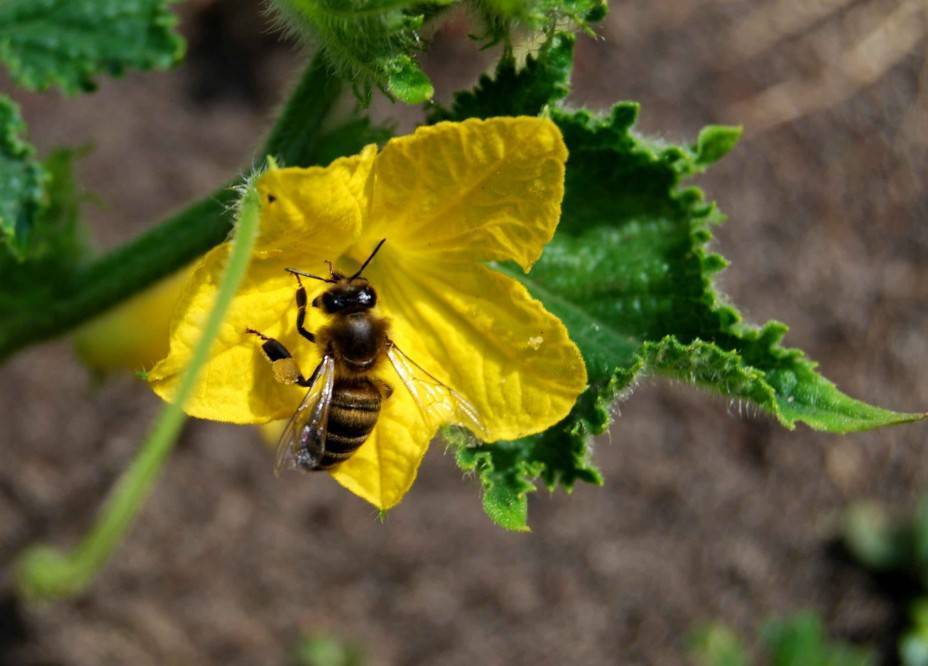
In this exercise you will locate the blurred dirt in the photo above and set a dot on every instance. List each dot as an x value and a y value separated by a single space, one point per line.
709 512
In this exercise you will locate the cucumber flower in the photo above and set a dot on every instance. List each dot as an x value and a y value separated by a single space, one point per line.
448 199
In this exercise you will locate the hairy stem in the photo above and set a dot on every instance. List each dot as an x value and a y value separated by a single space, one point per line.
46 573
177 241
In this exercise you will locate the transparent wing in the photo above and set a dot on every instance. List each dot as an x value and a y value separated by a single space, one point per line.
439 403
302 442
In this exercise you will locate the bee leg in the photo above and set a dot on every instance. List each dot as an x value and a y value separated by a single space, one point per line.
285 369
301 310
385 389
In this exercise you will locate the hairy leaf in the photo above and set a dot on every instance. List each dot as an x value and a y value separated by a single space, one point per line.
543 80
22 182
500 17
370 42
58 236
69 42
56 244
631 258
629 274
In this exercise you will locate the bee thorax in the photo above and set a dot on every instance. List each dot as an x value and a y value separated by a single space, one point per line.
358 340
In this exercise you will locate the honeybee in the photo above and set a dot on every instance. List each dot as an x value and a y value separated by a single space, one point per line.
344 397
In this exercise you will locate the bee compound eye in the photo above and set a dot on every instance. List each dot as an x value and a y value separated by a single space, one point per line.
331 303
316 302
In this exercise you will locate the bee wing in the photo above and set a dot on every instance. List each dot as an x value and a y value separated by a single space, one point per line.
302 442
437 402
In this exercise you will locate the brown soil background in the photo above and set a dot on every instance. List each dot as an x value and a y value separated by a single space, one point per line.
708 512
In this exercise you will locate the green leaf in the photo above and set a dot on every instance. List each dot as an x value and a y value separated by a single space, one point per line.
629 274
715 142
68 42
886 545
22 182
543 80
56 243
717 645
874 541
505 481
913 647
406 81
801 641
322 650
369 42
58 236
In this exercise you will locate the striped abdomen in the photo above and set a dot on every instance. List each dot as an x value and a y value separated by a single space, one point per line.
353 413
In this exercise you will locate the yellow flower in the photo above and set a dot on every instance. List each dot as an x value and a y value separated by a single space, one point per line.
447 199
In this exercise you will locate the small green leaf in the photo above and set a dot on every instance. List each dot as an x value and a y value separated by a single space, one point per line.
22 182
801 641
322 650
913 647
873 540
504 481
885 545
717 645
559 456
406 81
69 42
715 142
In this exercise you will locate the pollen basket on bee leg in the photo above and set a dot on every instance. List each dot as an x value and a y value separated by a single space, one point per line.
283 366
286 371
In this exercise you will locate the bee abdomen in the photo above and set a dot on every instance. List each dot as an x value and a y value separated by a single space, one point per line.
353 414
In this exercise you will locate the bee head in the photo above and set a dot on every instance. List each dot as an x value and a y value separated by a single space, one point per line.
346 296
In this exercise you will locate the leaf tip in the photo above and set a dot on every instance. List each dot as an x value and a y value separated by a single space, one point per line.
407 82
716 141
624 115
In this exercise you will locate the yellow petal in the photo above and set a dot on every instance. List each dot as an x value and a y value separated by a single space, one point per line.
312 214
385 466
474 191
115 341
482 333
308 215
235 384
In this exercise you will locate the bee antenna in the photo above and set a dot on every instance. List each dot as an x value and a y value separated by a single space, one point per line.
368 260
309 275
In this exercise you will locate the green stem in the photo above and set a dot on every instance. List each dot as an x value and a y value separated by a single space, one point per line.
45 573
107 281
295 137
